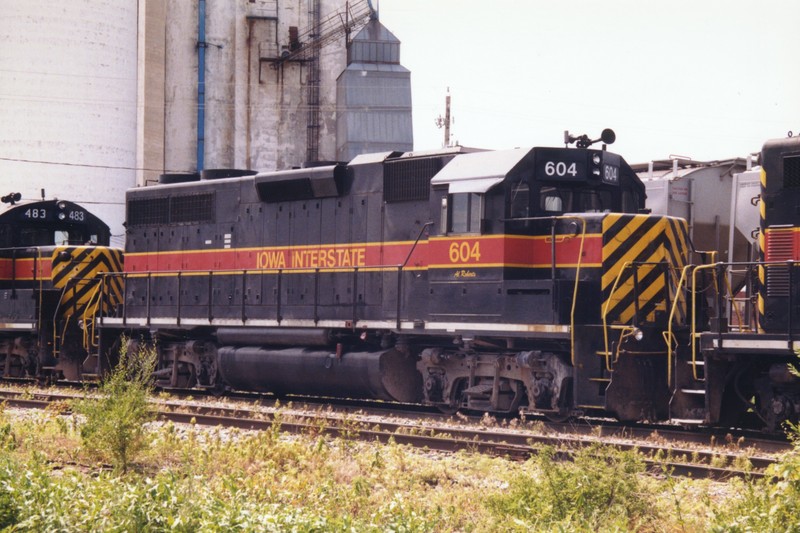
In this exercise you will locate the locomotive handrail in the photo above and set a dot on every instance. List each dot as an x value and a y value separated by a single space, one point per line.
668 335
627 329
694 334
718 268
36 259
607 353
789 317
209 274
71 285
401 267
577 278
94 303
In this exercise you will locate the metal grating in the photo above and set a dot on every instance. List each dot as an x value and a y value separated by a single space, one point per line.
780 247
192 208
148 211
185 209
410 180
777 281
791 172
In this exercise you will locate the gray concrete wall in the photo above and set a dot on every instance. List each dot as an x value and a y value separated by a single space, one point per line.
256 114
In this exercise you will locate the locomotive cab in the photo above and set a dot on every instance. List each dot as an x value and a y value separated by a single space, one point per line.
516 223
537 183
535 246
565 180
51 223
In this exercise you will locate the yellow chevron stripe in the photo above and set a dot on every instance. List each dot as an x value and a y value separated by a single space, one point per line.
678 240
628 246
627 288
653 292
622 236
633 252
79 278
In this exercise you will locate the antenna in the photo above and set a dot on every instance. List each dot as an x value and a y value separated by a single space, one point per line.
446 121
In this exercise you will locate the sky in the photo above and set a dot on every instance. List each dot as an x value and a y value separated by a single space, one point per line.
704 79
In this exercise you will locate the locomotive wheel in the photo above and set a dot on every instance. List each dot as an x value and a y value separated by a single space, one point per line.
447 409
559 417
455 399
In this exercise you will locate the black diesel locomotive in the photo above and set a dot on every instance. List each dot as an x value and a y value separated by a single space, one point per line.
495 281
526 280
51 256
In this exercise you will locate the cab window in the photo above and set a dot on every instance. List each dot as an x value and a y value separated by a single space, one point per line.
554 200
519 202
630 201
36 236
465 213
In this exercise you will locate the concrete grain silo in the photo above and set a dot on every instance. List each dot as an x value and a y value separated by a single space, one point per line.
68 102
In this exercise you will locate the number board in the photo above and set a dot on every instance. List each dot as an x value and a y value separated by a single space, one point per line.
49 212
610 174
611 168
561 164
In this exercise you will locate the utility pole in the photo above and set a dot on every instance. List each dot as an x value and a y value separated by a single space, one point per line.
445 122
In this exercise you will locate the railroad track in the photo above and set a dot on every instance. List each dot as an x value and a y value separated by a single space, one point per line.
666 455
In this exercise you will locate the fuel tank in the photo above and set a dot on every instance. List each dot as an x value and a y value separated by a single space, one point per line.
386 375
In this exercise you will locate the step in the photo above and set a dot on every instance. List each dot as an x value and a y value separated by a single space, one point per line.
694 391
688 421
479 390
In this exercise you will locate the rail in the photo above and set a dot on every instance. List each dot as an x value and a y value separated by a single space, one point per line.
628 329
71 312
669 336
241 275
279 303
575 285
733 312
691 453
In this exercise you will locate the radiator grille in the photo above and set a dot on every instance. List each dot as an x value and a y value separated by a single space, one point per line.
404 181
791 172
780 247
184 209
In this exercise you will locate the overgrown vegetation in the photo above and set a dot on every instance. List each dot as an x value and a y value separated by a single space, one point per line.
601 488
194 479
115 428
766 506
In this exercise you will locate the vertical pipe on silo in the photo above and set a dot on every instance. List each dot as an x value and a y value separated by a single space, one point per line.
201 81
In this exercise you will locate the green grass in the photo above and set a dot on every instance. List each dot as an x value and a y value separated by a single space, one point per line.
186 478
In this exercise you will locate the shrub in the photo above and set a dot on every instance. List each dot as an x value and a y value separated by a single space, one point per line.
601 488
115 420
9 514
767 504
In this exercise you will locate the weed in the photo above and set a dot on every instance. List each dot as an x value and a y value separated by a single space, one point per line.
115 420
601 488
766 504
